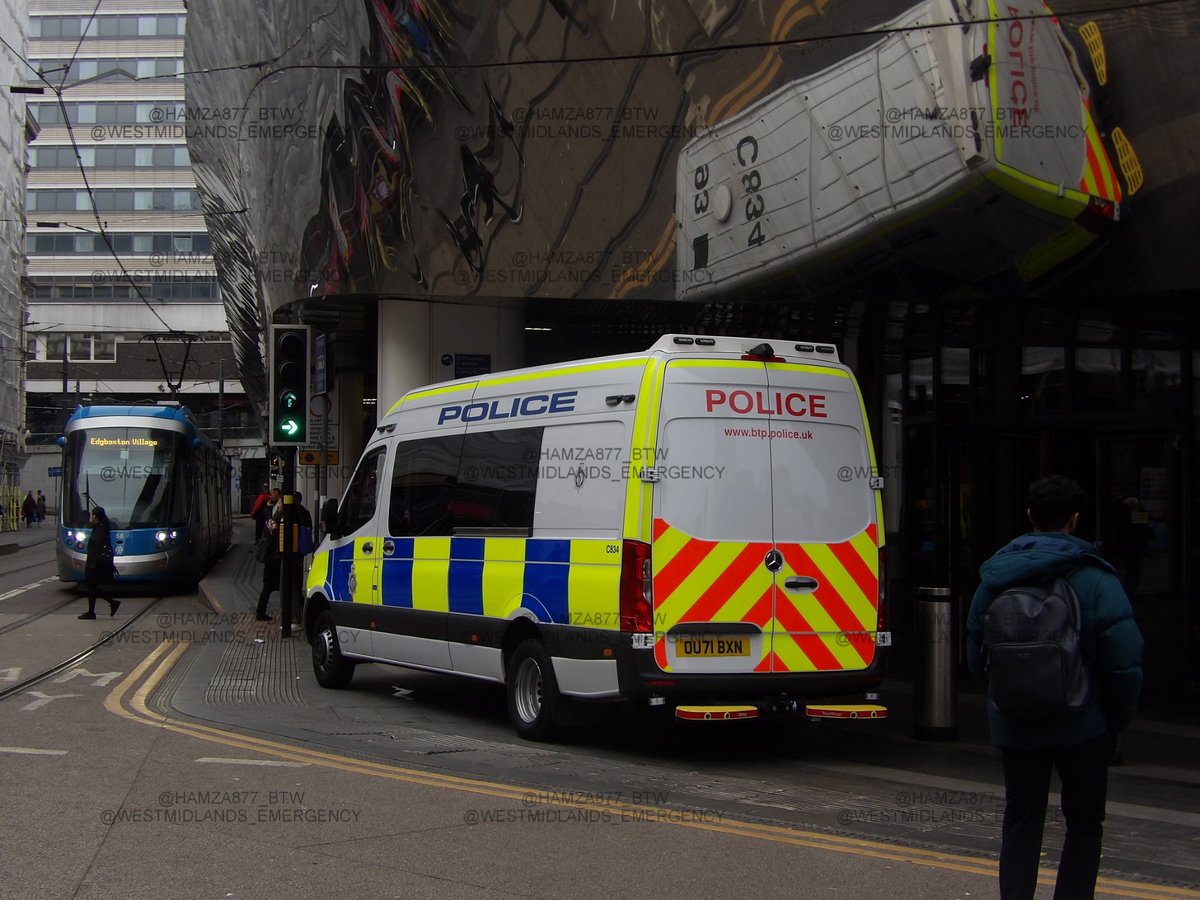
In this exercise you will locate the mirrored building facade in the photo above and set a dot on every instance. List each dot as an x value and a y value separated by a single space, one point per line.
987 207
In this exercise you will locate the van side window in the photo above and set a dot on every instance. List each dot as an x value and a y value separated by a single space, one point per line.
498 479
424 477
358 508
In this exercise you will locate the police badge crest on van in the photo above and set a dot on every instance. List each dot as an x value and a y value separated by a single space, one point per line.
675 527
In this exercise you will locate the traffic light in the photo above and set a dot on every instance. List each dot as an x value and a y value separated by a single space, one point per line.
289 385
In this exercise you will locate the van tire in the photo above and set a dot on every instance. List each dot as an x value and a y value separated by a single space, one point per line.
331 668
533 697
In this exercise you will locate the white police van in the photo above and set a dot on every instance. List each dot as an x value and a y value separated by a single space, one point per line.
698 525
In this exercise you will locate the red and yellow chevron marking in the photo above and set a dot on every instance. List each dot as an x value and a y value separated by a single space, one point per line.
831 629
834 626
704 581
1099 177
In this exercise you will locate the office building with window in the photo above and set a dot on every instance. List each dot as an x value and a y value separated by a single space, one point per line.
123 297
16 129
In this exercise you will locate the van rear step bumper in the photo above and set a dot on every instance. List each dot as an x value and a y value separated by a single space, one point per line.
715 713
846 711
725 713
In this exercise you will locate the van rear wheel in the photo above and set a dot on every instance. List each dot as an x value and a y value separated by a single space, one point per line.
331 668
533 696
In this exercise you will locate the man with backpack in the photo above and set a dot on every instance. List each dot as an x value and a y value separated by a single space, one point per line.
1051 633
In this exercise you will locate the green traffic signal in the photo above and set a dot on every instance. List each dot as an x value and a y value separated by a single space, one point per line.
289 384
291 428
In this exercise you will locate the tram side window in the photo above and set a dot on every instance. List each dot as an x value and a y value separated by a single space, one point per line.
498 479
358 508
424 478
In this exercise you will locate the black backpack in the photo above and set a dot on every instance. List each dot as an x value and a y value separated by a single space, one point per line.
1034 649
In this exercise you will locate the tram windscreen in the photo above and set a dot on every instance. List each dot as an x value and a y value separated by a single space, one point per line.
137 474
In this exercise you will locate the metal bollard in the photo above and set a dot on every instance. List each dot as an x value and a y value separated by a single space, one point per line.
935 693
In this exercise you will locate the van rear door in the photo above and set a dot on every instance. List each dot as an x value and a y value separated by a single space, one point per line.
764 546
824 522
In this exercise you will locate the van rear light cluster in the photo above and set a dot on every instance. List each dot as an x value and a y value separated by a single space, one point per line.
637 614
1100 213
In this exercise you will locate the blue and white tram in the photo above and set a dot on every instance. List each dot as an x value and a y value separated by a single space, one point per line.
163 484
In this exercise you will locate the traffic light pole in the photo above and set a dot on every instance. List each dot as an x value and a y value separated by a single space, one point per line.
288 415
287 545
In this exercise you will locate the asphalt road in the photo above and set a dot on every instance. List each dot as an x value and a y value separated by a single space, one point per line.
195 750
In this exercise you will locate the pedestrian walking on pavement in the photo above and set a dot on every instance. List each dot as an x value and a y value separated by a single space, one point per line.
1078 741
40 506
29 509
98 568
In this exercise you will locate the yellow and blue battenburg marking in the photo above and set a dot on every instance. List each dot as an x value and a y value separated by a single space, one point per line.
559 581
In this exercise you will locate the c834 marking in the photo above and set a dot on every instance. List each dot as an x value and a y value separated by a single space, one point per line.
747 156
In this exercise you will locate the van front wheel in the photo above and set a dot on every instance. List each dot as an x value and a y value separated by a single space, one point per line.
331 668
532 692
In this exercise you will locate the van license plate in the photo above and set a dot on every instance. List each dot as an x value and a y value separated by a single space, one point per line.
712 646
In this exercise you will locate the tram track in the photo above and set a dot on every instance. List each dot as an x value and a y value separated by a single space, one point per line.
37 564
107 638
13 626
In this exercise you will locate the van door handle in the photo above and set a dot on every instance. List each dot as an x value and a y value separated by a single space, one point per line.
800 584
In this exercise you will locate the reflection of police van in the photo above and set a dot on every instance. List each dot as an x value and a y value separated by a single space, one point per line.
963 142
693 524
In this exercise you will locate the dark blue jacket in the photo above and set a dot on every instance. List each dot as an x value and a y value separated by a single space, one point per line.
1113 638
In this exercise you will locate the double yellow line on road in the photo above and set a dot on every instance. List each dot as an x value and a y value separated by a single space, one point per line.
140 683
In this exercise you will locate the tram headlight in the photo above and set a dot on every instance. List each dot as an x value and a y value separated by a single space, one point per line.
166 538
80 539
